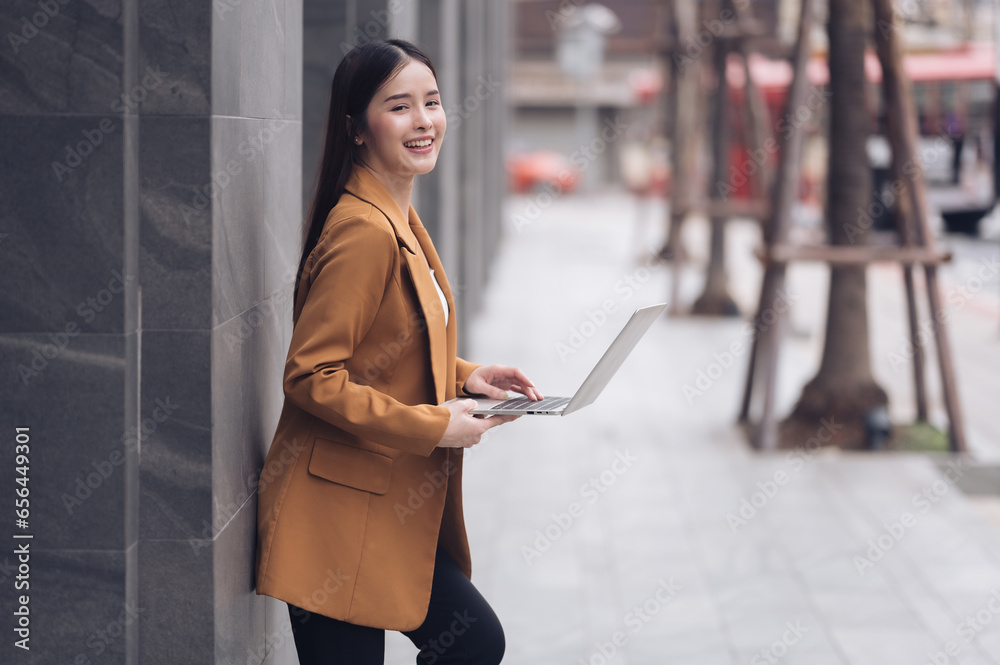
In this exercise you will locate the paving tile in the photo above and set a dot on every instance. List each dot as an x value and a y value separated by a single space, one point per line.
878 646
864 609
693 646
951 579
775 632
838 570
986 642
668 650
802 657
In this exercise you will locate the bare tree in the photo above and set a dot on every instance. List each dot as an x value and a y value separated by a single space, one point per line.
715 299
684 106
843 391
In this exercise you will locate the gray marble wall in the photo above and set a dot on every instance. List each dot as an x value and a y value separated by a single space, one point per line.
154 161
150 217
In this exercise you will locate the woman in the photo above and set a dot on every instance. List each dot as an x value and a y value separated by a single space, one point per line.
360 523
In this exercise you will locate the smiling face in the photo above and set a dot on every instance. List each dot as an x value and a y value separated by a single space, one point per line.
406 124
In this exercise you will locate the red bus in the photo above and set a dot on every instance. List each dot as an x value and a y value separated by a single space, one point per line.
954 92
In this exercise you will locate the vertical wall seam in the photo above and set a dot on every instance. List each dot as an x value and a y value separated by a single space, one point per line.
133 317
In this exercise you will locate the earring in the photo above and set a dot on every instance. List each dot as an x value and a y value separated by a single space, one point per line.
357 139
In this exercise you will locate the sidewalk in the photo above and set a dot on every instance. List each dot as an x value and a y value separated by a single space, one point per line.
642 530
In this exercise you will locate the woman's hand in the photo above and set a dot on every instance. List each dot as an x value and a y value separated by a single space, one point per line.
465 430
494 380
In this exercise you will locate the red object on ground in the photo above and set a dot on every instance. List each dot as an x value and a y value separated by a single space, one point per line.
532 170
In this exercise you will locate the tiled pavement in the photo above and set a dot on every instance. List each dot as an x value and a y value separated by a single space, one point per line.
610 536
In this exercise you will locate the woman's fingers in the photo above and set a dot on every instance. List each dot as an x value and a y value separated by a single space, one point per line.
505 377
495 420
526 387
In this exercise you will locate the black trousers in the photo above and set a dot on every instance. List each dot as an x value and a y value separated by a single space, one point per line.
460 629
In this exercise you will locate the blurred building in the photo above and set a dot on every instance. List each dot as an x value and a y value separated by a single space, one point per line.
547 103
155 159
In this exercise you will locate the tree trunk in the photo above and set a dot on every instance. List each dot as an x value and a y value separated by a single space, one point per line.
683 144
843 392
715 299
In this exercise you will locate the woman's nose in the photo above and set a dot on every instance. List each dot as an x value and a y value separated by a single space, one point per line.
421 118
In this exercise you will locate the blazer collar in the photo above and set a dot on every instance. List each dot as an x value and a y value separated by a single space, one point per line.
366 187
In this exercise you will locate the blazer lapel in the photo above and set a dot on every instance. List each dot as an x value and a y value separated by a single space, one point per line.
448 339
419 257
430 303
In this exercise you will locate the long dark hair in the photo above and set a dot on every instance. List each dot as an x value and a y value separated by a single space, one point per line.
360 74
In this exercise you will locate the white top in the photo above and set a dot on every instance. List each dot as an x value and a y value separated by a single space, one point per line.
444 301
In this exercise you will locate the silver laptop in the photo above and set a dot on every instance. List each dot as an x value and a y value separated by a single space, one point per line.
637 325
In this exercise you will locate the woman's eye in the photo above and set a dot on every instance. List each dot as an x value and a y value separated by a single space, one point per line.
434 102
399 108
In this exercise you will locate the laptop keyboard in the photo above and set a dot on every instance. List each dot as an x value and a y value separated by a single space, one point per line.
524 403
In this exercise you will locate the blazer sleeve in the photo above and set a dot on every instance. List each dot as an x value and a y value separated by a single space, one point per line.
348 279
463 368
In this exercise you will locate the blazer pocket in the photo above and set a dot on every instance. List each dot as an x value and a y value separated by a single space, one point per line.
346 465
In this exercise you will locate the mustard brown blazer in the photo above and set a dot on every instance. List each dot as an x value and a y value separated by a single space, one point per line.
354 493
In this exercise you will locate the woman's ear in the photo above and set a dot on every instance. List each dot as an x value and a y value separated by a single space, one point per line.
354 138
